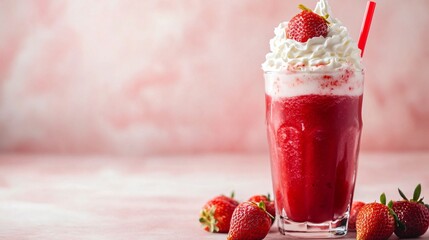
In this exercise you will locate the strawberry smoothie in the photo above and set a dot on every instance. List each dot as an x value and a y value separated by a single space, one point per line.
316 138
314 144
313 91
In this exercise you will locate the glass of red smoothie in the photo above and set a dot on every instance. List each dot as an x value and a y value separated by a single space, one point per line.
314 125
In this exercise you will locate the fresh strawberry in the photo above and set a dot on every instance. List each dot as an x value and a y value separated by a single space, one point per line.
250 221
356 206
375 221
306 25
216 213
269 204
413 214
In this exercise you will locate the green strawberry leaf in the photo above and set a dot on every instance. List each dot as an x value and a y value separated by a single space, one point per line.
207 219
232 194
383 198
402 195
400 225
390 204
417 193
261 205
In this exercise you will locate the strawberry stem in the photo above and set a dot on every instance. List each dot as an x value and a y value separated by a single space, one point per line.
271 216
232 194
304 8
326 18
262 206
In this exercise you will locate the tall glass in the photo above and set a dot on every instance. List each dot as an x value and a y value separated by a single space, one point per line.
314 125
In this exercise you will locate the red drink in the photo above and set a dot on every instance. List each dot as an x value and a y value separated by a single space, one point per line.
314 124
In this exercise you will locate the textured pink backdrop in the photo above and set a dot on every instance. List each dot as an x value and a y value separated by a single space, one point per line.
165 76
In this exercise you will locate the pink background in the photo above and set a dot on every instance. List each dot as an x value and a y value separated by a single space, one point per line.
133 80
138 78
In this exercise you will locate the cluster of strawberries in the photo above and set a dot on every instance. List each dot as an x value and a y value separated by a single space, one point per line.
408 218
249 220
252 219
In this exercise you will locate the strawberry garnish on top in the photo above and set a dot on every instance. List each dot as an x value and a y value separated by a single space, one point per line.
306 25
413 214
216 213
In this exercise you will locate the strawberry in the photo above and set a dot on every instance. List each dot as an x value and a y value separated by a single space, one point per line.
269 205
356 206
250 221
306 25
216 213
413 214
376 221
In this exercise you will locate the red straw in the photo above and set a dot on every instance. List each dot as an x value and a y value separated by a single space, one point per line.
366 25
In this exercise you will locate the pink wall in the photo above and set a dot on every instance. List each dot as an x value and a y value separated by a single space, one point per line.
165 76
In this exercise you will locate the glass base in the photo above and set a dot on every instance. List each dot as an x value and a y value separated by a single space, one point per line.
329 229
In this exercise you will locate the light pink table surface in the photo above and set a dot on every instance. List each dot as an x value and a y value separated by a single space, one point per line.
57 197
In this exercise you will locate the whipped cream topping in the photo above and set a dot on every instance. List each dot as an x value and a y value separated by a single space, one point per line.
336 51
